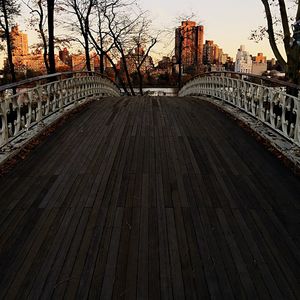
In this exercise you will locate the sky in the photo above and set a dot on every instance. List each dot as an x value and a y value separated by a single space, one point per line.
228 23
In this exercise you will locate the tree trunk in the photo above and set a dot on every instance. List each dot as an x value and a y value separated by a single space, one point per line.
293 67
140 81
118 76
102 70
43 35
87 53
127 73
45 54
9 44
180 60
51 56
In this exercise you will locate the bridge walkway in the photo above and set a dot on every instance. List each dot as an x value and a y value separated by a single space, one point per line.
149 198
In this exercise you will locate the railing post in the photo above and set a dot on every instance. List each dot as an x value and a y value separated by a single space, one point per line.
39 102
297 122
3 116
223 88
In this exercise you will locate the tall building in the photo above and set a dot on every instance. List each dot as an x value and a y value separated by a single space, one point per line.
243 61
212 53
260 58
24 61
189 42
65 56
134 58
19 42
259 64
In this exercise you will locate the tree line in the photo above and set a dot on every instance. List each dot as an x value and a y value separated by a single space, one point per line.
112 28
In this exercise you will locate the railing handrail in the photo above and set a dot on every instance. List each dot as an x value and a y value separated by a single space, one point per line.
278 82
277 106
39 98
49 76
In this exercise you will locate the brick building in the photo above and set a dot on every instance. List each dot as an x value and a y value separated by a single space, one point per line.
189 42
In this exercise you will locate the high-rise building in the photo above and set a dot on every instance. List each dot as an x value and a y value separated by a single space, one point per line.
260 58
65 56
208 52
189 45
259 64
212 53
19 42
243 61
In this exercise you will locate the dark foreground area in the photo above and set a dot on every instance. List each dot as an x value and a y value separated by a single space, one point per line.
149 198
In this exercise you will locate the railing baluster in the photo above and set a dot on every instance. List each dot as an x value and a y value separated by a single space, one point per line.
36 99
268 103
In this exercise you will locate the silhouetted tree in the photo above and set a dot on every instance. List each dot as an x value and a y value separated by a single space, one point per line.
37 9
279 27
9 9
82 10
121 24
51 56
143 42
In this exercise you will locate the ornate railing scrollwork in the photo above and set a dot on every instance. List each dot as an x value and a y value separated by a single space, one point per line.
267 100
38 98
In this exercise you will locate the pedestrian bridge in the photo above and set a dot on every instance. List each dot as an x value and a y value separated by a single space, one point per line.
146 197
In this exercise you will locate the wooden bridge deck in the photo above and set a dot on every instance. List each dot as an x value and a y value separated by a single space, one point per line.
149 198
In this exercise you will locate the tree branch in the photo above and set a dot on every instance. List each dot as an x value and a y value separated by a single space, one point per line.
271 34
298 12
285 24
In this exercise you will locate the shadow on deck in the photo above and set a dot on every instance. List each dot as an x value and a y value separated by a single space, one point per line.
150 198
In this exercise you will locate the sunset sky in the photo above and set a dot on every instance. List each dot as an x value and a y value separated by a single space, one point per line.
228 23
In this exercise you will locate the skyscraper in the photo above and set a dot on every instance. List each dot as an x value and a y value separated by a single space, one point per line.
189 45
19 41
211 53
243 61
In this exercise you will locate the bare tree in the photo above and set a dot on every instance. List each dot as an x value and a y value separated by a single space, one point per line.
37 10
100 37
82 9
279 24
9 9
143 42
121 26
51 55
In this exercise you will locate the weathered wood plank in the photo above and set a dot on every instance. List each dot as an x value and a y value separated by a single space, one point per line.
149 198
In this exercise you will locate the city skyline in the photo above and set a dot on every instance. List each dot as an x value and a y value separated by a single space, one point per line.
228 24
225 16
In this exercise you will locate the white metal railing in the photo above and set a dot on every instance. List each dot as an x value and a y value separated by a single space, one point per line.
38 98
266 100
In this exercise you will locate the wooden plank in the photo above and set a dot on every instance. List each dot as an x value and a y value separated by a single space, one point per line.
164 257
258 257
250 262
143 259
133 254
149 198
153 255
21 263
176 268
286 271
186 266
119 287
200 284
238 260
109 277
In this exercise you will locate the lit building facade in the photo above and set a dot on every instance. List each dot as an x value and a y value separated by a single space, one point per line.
19 42
134 58
189 43
243 63
259 64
